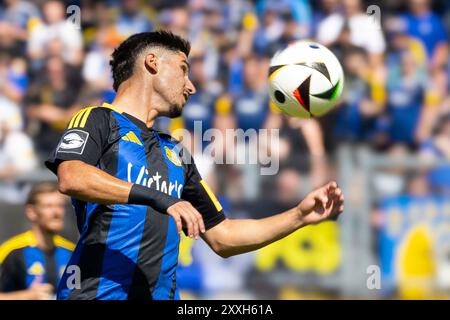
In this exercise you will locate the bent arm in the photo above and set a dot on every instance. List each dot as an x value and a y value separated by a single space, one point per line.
88 183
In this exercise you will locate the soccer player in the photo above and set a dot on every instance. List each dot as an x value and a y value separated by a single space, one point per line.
32 263
135 189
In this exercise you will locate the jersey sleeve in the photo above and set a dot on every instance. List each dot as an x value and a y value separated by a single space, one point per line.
84 139
198 193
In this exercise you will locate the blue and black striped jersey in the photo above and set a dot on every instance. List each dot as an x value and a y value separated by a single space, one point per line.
129 251
22 261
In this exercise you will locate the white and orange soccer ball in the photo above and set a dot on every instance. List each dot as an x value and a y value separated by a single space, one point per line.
305 79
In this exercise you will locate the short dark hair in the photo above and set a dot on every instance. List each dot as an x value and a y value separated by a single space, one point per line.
124 56
40 188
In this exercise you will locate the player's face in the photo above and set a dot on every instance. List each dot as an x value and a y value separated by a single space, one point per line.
173 84
48 212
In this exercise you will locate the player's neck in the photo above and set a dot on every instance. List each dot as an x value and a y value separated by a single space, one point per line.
131 106
130 100
44 239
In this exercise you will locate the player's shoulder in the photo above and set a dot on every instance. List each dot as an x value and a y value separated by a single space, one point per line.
93 115
16 243
167 137
63 243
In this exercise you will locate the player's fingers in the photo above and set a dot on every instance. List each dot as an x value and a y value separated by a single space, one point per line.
321 197
195 224
331 185
198 218
189 209
188 220
46 288
201 222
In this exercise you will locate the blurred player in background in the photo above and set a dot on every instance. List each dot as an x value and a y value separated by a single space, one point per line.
32 263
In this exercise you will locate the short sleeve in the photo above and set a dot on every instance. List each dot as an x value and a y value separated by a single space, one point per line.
84 139
12 274
198 193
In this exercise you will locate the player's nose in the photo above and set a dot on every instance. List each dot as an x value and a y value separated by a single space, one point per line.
190 87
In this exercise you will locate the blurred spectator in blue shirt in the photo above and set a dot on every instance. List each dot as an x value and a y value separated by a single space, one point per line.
406 89
251 103
438 148
300 10
17 17
362 104
13 80
132 19
200 107
425 25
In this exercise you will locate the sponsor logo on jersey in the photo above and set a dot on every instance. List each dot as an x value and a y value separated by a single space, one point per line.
144 178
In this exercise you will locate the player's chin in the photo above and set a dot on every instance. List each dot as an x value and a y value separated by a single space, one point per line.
54 227
175 110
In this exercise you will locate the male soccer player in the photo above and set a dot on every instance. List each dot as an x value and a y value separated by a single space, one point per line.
134 190
32 263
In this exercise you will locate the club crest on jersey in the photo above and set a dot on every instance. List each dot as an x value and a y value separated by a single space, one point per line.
172 156
36 269
73 141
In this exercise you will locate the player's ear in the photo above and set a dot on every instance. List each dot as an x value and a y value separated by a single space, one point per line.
151 63
30 213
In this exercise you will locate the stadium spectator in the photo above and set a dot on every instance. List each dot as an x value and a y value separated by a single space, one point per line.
362 99
13 80
31 263
55 31
353 27
422 23
438 148
406 92
16 20
132 17
17 156
51 103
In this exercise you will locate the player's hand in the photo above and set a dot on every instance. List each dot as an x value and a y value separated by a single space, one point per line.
321 204
40 291
186 215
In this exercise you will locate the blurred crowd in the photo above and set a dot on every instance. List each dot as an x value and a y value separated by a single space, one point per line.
395 100
53 63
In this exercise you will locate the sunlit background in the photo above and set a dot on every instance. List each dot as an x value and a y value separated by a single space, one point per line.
387 143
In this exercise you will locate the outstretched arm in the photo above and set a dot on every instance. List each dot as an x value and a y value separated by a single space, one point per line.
232 237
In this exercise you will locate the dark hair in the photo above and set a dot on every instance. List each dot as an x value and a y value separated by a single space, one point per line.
124 56
41 188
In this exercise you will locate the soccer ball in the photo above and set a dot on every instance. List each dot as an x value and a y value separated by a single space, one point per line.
305 79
